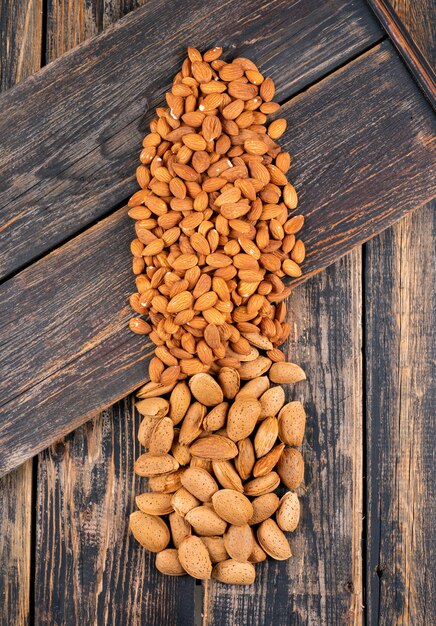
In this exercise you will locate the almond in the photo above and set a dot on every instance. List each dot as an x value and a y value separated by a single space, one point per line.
180 529
205 521
214 448
273 541
154 503
182 501
166 483
254 388
215 547
180 400
199 483
153 406
242 418
227 476
206 390
264 507
288 513
239 542
167 562
267 463
266 436
286 373
291 423
256 368
191 426
229 381
146 428
216 418
264 484
258 555
150 531
161 438
234 573
246 459
194 558
272 401
152 465
232 506
291 468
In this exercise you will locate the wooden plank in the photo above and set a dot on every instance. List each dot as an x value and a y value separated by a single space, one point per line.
322 583
400 322
82 355
410 26
71 157
96 572
20 55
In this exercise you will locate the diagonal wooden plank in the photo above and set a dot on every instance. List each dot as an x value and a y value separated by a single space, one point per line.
400 357
361 140
78 123
322 582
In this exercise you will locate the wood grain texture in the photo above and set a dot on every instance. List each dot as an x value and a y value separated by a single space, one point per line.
20 56
322 583
400 356
89 569
347 133
409 24
77 162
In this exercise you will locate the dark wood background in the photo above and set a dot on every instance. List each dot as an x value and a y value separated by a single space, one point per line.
362 330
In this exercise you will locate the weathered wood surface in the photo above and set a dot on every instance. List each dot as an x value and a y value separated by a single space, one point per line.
400 409
410 25
70 353
96 573
78 124
322 583
20 56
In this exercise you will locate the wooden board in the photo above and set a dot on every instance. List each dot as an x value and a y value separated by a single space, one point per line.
82 358
410 25
20 56
97 572
400 355
78 124
322 583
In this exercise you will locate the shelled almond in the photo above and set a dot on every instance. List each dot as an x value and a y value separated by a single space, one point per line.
214 234
216 475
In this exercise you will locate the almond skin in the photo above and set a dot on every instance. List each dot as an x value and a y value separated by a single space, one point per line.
232 506
150 530
234 573
194 558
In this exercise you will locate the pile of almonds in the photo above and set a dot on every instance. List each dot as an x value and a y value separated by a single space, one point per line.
214 241
214 238
217 451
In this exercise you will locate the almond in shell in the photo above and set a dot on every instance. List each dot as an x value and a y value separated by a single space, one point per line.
166 483
200 483
288 513
180 529
152 465
216 548
194 558
214 448
161 438
167 562
158 407
150 531
191 427
232 506
180 399
205 389
264 507
266 436
205 521
242 418
234 573
254 388
286 373
291 468
146 428
273 541
246 459
272 401
154 503
216 418
229 381
258 555
253 369
227 476
239 542
292 422
182 501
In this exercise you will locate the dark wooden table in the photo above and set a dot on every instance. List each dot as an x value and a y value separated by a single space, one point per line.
362 330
